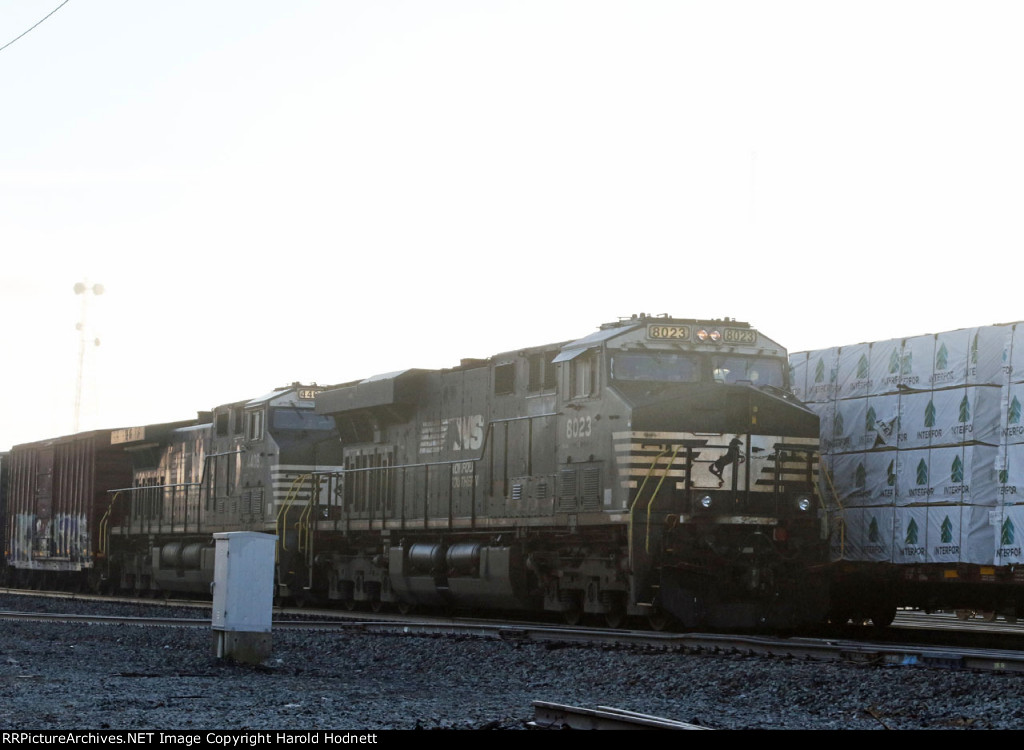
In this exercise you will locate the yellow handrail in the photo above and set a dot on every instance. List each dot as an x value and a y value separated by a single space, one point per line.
831 486
305 527
104 541
282 512
654 495
636 500
839 504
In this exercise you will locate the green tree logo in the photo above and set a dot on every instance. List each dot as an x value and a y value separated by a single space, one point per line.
837 426
911 537
890 474
946 531
942 358
862 367
860 476
894 362
1006 534
869 419
1013 412
922 473
956 473
965 410
929 414
819 371
908 364
873 535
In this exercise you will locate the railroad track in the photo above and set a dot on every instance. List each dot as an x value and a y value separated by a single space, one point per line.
557 716
852 650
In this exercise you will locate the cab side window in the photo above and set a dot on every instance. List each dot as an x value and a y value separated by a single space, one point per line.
254 425
504 379
583 375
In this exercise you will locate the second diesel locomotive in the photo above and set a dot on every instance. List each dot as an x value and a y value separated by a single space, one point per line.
657 468
134 509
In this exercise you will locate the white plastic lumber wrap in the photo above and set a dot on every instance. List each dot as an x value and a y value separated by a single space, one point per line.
923 438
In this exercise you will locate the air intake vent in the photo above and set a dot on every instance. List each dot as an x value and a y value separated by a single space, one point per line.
567 489
591 488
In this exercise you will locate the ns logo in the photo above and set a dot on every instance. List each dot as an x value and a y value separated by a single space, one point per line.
452 434
465 433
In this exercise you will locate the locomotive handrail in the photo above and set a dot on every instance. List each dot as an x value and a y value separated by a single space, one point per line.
104 530
832 487
483 449
149 488
282 512
636 499
476 460
654 495
839 504
305 529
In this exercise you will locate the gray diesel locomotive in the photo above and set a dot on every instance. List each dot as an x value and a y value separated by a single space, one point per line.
134 509
656 468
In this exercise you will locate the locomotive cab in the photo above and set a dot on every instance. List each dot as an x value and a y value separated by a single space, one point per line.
714 465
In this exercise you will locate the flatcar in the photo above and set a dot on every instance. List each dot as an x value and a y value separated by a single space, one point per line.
923 453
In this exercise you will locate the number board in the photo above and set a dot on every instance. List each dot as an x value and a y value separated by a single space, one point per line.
739 336
678 332
669 332
127 435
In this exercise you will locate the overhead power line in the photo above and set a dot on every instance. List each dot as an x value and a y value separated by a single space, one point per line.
34 25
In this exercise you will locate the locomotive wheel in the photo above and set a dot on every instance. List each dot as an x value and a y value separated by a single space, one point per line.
405 608
659 620
376 606
573 616
615 617
349 604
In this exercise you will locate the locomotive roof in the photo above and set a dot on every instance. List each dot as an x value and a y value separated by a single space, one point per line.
279 392
577 347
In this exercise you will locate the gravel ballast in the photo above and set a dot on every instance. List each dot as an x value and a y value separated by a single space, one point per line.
59 676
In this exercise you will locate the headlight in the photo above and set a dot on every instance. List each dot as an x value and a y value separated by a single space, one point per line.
706 501
712 335
804 503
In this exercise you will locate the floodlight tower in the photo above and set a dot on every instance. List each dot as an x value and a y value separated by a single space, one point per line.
83 290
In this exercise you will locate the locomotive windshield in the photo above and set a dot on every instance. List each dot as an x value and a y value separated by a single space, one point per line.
755 370
675 367
301 419
662 366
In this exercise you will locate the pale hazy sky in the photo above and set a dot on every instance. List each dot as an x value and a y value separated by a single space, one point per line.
327 190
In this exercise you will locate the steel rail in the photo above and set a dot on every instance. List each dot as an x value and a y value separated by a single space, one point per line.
807 649
557 716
